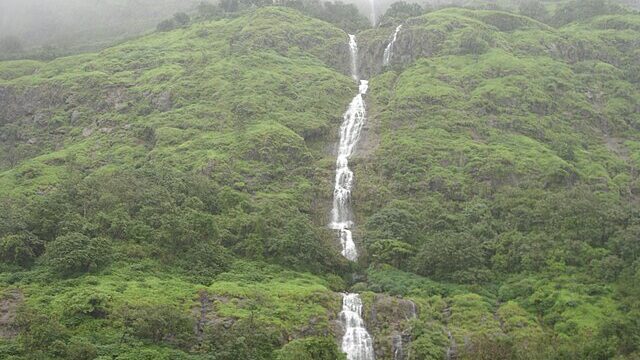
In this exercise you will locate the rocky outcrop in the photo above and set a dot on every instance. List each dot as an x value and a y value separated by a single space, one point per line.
387 320
9 304
32 102
412 42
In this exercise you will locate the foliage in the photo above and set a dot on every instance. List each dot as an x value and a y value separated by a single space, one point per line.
401 10
76 252
310 349
191 167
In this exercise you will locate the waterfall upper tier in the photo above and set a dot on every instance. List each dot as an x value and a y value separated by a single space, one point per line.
388 51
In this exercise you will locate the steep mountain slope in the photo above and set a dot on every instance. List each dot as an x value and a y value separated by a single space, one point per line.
183 151
168 198
506 153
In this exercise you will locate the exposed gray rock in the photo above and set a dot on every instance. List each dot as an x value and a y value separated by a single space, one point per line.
75 117
9 305
387 320
162 101
18 103
412 42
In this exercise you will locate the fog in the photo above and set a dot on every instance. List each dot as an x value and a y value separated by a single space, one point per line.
73 23
77 25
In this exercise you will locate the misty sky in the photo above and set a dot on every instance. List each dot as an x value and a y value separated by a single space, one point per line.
63 22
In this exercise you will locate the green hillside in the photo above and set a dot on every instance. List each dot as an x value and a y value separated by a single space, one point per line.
168 198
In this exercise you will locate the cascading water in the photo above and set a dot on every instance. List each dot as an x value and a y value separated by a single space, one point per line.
388 51
353 121
353 45
374 14
356 342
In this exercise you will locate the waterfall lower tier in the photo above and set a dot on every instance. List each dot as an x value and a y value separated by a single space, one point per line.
356 343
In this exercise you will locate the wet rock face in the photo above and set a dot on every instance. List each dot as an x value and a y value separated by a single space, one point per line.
16 104
387 319
412 42
162 102
340 58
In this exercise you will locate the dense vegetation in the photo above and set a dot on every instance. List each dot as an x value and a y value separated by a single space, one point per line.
167 198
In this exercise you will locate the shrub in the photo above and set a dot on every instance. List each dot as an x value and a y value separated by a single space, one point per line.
75 252
41 334
166 25
20 249
313 348
181 19
534 9
159 323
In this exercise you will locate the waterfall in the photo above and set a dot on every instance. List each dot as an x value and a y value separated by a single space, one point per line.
388 51
353 45
353 121
396 346
374 15
357 342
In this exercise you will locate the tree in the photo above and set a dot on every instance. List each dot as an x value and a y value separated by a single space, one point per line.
208 11
159 323
584 9
229 6
311 348
166 25
205 259
452 256
393 222
40 334
75 252
473 43
20 249
534 9
181 19
403 10
392 252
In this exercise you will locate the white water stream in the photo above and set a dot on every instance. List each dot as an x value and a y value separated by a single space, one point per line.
374 13
388 51
356 342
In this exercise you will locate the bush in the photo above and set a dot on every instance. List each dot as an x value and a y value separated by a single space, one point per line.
85 303
458 257
313 348
402 10
205 259
41 334
181 19
472 43
20 249
166 25
159 323
534 9
208 11
75 253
